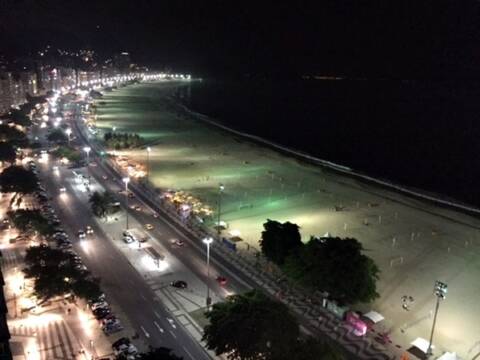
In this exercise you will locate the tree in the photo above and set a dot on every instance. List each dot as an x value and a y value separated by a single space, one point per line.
57 136
18 116
67 152
250 326
55 274
7 152
102 205
279 240
87 288
13 135
337 266
16 179
24 220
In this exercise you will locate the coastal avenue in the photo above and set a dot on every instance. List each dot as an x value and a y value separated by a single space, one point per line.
155 325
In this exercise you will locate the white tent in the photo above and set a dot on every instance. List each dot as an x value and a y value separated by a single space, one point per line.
421 344
374 316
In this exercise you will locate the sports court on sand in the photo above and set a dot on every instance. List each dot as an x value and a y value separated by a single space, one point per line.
413 242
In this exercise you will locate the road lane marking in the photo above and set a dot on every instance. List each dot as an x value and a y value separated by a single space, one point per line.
145 332
156 314
188 353
159 327
171 332
171 323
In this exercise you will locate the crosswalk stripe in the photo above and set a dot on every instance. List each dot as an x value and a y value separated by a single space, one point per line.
69 337
62 340
42 342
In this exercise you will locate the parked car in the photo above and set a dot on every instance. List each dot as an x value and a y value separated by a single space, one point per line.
119 342
128 239
89 229
149 226
81 234
99 299
180 284
101 313
111 329
63 189
98 305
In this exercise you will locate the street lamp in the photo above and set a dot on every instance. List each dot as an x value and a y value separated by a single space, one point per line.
87 150
126 180
68 131
220 191
440 291
207 241
149 149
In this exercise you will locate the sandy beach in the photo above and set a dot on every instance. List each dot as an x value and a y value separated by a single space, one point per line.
413 242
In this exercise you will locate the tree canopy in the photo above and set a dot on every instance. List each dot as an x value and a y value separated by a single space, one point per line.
13 135
67 152
120 141
55 274
57 136
250 326
16 179
18 116
103 204
25 220
279 240
7 152
337 266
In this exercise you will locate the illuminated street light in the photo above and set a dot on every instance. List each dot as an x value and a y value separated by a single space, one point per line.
220 192
149 149
440 291
87 150
126 180
208 241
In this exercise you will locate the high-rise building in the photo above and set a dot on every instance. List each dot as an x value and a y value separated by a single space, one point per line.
122 61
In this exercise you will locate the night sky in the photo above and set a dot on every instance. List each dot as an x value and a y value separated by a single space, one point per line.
397 39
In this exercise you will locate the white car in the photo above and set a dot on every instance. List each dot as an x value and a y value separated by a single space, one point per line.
55 168
63 189
89 229
128 239
81 234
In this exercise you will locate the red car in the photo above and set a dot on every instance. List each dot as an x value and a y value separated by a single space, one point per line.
222 280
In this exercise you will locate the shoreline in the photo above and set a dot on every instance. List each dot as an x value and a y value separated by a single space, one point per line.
417 194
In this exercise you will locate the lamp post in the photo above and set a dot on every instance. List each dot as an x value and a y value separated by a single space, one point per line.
68 132
207 241
220 191
149 149
126 180
87 150
440 291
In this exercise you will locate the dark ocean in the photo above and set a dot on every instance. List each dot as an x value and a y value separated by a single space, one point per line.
422 134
